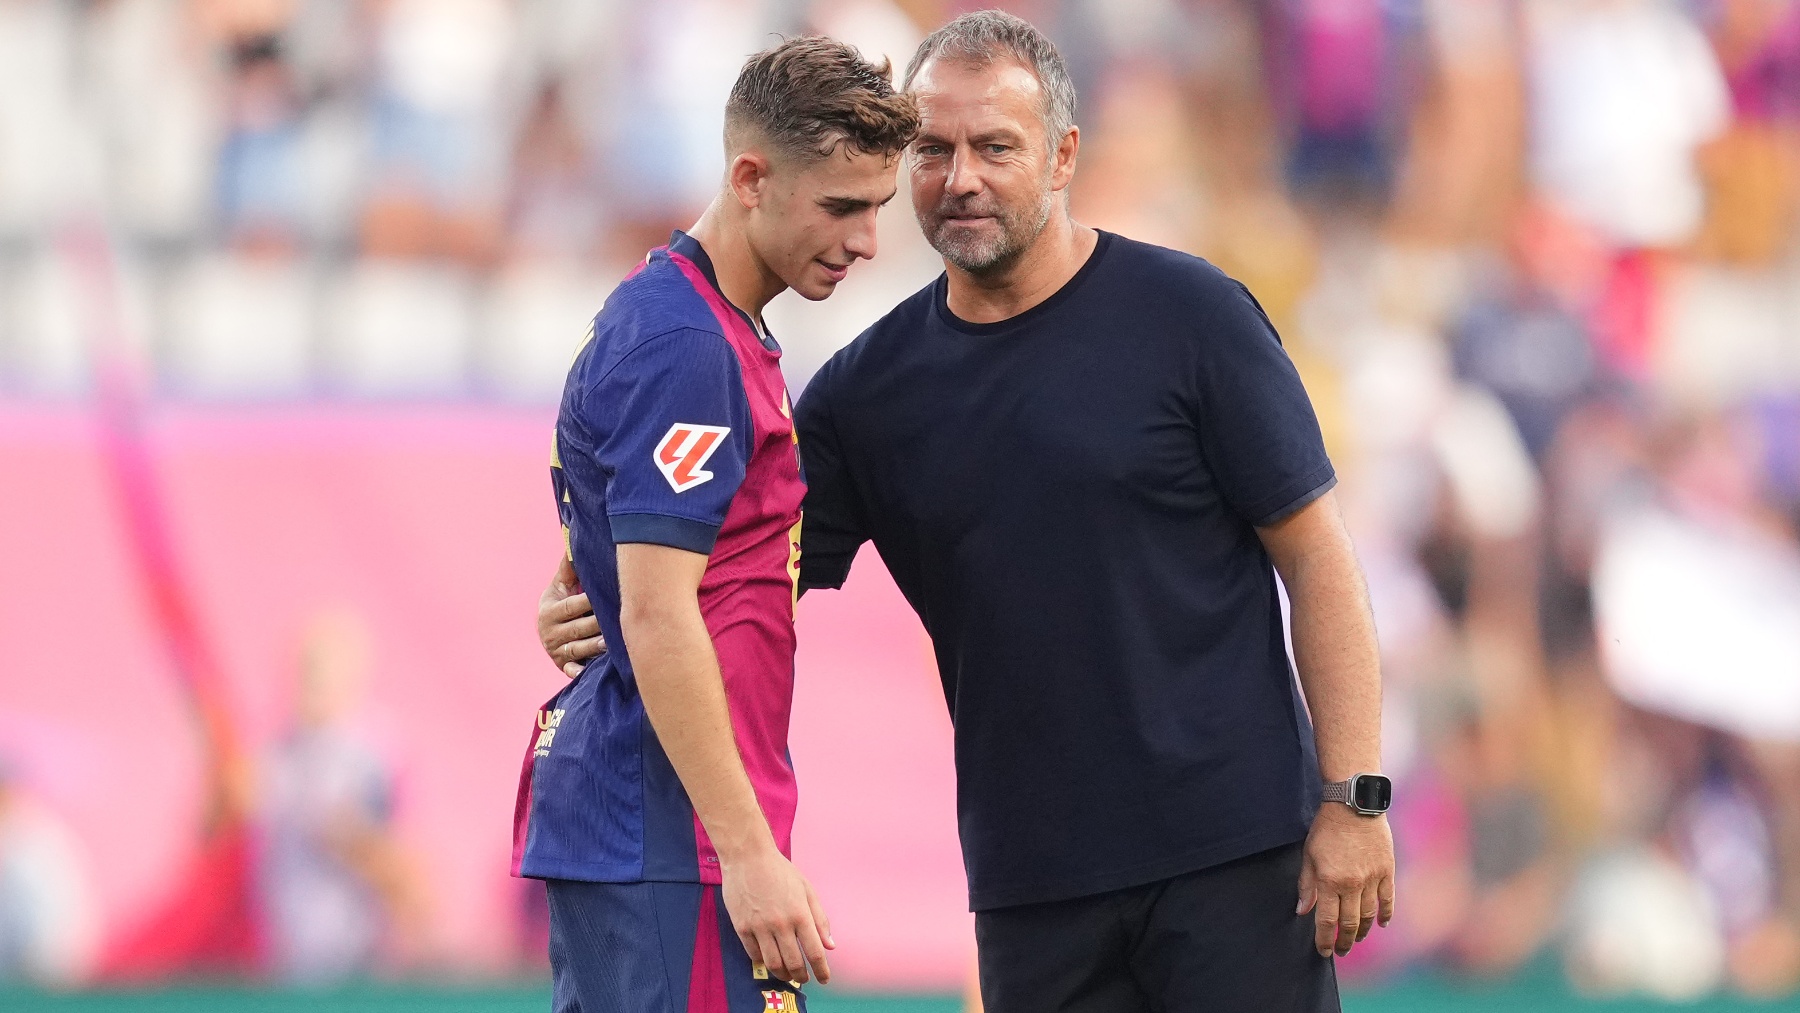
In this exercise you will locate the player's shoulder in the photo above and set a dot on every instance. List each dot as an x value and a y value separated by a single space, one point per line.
654 313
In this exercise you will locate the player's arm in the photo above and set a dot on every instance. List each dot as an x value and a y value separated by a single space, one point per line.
833 532
771 904
1348 874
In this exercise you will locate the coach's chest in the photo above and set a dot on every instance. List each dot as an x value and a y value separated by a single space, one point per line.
1094 419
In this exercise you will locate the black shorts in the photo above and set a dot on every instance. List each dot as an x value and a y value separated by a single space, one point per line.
1220 940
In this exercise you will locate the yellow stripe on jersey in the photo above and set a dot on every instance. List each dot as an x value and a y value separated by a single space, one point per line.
585 338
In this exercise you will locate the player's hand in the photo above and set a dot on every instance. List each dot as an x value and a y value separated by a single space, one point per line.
566 624
777 916
1347 877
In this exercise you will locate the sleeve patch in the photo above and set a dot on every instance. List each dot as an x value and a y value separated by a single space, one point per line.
682 453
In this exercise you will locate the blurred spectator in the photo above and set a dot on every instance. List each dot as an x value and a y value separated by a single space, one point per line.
47 929
438 165
1624 93
1341 73
338 893
1464 167
1752 170
666 152
1697 593
259 178
1524 338
553 208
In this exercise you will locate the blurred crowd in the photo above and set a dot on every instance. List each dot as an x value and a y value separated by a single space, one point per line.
1538 261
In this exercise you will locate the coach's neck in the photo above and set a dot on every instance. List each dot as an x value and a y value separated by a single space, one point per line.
1039 271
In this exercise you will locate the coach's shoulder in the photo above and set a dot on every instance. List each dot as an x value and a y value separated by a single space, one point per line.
893 335
1211 308
1171 272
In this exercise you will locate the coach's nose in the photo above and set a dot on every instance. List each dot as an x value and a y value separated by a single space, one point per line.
965 174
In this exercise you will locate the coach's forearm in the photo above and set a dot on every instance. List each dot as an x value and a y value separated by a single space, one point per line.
1340 669
684 696
1334 637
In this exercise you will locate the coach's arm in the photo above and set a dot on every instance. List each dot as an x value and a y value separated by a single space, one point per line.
567 626
1348 874
771 905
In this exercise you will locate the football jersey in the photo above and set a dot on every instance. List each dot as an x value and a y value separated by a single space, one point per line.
675 429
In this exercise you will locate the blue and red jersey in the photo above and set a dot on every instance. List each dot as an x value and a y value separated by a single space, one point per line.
675 429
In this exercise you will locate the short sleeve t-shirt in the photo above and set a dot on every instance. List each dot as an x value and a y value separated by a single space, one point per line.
675 429
1069 499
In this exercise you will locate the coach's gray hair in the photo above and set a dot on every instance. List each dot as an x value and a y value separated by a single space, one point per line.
980 36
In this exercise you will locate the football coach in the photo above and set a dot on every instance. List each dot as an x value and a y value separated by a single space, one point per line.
1084 459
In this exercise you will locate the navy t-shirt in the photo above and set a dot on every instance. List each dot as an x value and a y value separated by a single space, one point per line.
1068 499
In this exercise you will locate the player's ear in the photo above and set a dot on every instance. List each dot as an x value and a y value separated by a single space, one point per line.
748 177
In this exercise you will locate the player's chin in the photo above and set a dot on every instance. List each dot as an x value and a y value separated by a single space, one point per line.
815 286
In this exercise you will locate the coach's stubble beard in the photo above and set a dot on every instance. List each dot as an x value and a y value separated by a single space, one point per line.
976 253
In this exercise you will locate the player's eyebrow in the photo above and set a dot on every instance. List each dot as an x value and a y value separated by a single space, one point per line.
853 204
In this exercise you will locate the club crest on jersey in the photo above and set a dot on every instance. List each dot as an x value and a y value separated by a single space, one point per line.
780 1002
683 452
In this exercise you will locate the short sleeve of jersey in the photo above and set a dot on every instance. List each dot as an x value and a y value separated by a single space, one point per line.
1257 427
673 436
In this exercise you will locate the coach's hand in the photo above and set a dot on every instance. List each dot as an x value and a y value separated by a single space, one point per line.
1347 876
777 915
566 624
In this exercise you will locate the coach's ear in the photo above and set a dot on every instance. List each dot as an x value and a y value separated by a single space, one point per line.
748 177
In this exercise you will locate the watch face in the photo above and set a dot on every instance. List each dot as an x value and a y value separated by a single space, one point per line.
1373 793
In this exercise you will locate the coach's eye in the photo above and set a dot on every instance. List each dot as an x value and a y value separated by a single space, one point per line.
997 149
930 150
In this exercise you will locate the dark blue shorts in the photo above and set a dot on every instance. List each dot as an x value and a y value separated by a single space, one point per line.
653 948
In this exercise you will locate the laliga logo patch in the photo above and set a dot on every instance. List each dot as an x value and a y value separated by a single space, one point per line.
682 454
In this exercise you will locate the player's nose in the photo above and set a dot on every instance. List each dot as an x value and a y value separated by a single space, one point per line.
861 241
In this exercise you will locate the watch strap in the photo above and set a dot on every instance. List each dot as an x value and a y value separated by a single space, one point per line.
1338 791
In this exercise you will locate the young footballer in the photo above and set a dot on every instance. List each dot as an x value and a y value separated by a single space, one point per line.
657 798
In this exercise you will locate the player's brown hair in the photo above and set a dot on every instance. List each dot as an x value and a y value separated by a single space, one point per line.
810 94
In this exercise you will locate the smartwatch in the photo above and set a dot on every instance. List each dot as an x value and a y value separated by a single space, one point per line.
1368 794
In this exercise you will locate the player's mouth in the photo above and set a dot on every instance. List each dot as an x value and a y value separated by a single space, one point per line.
833 271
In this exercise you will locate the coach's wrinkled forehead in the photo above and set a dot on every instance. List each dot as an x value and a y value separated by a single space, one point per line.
983 36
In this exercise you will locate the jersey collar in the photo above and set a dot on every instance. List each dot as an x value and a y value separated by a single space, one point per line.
689 247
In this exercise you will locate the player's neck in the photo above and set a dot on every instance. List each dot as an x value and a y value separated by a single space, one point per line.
1040 271
745 279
